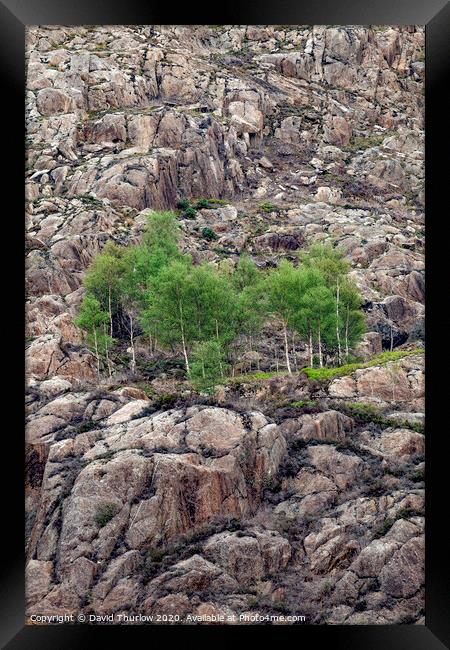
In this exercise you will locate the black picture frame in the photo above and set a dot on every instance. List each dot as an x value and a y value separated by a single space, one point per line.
15 15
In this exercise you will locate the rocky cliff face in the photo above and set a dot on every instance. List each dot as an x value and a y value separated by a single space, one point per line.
271 496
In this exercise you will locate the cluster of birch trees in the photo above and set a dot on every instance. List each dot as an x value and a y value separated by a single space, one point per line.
212 314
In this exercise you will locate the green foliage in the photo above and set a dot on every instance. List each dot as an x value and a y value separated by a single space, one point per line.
281 293
360 143
183 204
246 273
162 233
93 321
363 409
211 313
90 316
214 202
104 276
86 426
303 404
388 522
105 513
190 213
269 207
327 260
347 369
253 377
366 413
384 528
209 234
208 365
317 313
142 263
202 203
167 310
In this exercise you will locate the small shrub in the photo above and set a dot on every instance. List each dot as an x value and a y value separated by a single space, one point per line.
86 426
384 528
183 204
407 513
208 234
326 587
190 213
388 522
89 200
105 513
360 143
155 555
303 403
153 561
269 207
417 476
202 203
272 484
254 602
217 202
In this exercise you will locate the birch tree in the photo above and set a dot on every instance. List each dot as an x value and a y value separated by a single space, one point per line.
352 316
282 295
103 280
169 308
92 320
317 309
331 264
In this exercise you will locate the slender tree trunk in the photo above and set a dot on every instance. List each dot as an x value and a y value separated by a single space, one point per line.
311 355
183 340
286 349
346 335
217 338
294 353
110 313
107 352
275 352
320 347
133 354
338 335
96 352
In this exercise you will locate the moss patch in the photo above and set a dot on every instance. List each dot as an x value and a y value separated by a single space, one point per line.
321 374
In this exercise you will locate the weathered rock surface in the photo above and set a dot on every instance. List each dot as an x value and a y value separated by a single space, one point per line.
109 136
399 382
112 503
136 505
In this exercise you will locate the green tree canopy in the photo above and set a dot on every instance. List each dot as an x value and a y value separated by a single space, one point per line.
208 364
326 259
213 313
104 277
93 320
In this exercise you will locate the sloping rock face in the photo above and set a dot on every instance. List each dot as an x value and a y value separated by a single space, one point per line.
206 509
141 484
397 383
323 124
243 503
129 127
